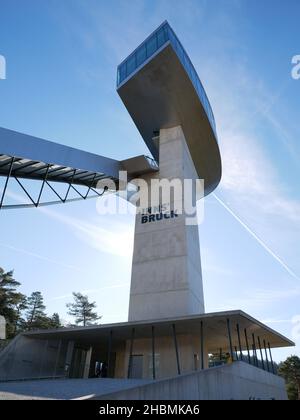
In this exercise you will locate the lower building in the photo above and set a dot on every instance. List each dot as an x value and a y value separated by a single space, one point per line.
153 350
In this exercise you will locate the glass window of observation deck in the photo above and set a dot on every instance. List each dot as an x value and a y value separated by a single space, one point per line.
122 72
131 65
151 46
141 55
162 36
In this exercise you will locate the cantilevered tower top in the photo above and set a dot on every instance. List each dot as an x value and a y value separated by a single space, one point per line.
160 88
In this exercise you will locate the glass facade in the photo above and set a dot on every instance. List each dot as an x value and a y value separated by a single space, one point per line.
149 48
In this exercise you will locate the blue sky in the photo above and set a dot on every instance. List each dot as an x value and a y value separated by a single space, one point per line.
61 75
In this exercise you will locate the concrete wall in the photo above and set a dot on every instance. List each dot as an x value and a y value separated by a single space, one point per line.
188 347
121 368
27 358
166 276
237 381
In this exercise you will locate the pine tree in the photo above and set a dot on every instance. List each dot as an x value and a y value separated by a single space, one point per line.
54 321
35 316
82 310
20 321
9 300
290 371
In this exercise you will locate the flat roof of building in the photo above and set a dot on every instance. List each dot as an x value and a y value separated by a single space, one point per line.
214 327
160 88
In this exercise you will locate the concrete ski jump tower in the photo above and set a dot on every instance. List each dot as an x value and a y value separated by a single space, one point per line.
167 334
165 98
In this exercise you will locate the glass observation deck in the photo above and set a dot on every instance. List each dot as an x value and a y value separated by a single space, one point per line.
153 45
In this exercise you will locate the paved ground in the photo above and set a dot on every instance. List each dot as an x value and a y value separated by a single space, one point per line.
62 389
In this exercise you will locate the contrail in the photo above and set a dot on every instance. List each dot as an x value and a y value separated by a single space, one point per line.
257 238
245 226
41 257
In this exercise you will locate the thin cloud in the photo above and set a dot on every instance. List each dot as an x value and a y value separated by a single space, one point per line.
248 176
40 257
256 299
258 239
90 291
114 238
277 321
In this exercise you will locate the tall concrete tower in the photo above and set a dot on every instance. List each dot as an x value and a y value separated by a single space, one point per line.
165 98
168 333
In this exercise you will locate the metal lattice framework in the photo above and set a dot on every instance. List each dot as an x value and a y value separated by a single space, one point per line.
18 169
85 175
24 157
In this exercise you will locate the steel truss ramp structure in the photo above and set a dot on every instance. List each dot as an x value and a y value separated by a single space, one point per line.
13 173
23 157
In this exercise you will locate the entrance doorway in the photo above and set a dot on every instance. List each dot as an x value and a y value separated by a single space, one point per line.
80 362
136 371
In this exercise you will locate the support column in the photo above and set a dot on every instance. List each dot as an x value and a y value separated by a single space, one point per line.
87 364
266 354
57 358
247 344
271 358
176 349
230 339
239 339
69 357
202 345
261 354
130 353
153 352
254 350
109 354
